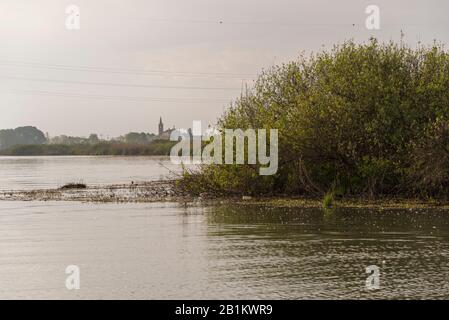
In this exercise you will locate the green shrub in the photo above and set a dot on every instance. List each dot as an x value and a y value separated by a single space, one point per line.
359 118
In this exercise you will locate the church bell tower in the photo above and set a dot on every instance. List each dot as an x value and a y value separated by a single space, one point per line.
161 127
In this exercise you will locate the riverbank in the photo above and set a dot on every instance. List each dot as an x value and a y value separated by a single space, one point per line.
166 191
154 148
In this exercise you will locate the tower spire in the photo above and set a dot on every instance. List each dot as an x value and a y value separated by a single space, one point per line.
161 126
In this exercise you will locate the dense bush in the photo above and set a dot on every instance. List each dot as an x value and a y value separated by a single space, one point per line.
366 120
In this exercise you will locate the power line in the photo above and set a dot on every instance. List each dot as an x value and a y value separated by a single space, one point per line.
128 71
225 22
355 24
118 84
120 98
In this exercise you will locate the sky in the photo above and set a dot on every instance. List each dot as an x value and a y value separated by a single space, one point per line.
134 61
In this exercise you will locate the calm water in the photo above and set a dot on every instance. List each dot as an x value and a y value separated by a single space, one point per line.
18 173
163 251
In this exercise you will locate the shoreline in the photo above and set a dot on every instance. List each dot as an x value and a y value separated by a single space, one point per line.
166 191
154 191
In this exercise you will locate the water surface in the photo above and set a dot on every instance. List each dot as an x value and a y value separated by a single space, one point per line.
167 251
20 173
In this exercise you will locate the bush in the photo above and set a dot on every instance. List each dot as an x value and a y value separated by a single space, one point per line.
430 161
352 118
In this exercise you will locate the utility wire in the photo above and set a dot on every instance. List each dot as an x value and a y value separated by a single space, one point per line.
120 98
118 84
225 22
128 71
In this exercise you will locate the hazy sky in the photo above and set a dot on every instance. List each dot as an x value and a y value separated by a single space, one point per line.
135 60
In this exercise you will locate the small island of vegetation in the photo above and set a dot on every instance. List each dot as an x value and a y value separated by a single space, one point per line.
365 121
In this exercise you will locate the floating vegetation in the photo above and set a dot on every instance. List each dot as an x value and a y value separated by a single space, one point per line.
72 186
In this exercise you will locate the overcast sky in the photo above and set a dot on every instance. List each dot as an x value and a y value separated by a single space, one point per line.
136 60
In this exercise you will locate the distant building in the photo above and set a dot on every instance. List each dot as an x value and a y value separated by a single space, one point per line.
164 135
161 127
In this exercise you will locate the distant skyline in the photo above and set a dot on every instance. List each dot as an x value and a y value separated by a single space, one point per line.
134 61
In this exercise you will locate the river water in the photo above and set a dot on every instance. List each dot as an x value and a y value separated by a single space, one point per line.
173 251
25 173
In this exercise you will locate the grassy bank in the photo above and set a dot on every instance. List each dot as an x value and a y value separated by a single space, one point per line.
358 121
158 147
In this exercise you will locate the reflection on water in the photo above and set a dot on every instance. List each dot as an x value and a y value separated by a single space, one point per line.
18 173
306 253
161 251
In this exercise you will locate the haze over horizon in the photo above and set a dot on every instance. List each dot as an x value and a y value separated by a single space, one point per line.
132 62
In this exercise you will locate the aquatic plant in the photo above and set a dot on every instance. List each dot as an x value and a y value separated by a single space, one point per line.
328 200
74 185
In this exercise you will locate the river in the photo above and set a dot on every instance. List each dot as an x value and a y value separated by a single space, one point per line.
27 173
173 251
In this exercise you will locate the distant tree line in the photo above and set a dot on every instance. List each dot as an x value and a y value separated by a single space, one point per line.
132 138
21 135
113 148
32 141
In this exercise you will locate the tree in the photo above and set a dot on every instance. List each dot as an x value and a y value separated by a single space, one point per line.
21 136
136 138
93 138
